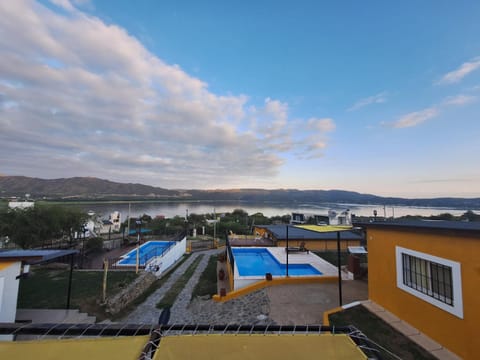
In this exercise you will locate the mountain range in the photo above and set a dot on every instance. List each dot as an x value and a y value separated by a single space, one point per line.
90 188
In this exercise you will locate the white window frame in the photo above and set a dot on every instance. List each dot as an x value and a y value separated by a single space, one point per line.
457 307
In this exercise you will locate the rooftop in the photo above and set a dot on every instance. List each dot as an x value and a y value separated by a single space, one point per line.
473 227
299 232
34 256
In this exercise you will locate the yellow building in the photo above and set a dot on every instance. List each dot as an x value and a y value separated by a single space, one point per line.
314 240
427 273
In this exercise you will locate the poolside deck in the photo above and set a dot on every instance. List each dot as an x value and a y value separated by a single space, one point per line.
304 258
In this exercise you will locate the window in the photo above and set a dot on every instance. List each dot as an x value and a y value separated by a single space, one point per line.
433 279
428 277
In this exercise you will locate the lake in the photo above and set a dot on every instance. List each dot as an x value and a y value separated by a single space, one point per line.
171 209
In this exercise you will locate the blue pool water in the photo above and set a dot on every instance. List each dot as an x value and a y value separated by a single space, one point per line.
147 251
258 262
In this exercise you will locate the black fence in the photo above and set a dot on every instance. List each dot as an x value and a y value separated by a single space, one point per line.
231 259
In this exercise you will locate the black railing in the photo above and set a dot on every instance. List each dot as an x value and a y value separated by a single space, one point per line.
231 259
156 252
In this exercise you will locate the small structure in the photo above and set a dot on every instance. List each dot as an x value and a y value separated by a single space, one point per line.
318 240
427 274
13 265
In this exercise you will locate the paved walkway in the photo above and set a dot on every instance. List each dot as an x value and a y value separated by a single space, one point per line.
250 309
304 304
147 312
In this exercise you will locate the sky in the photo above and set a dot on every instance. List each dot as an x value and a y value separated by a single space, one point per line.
370 96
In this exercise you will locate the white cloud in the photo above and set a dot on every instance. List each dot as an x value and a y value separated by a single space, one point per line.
375 99
416 118
91 100
419 117
323 125
459 100
458 74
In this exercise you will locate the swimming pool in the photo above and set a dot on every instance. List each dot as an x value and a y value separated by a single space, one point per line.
147 251
259 261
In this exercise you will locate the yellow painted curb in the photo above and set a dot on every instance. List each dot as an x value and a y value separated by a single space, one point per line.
326 314
280 281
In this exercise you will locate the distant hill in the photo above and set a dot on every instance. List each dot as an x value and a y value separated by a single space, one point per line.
329 196
88 188
78 188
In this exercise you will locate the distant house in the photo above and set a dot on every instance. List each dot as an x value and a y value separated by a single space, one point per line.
427 273
313 240
112 224
344 218
21 204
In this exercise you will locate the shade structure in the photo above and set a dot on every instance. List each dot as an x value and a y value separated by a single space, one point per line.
118 348
325 228
265 347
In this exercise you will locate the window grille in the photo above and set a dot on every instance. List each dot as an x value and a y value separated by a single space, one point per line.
428 277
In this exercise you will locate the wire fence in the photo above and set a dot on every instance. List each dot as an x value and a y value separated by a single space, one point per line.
20 331
157 332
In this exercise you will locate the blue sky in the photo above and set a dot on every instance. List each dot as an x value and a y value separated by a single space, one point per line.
372 96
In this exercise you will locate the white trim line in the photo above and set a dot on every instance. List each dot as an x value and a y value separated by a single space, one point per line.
352 304
457 308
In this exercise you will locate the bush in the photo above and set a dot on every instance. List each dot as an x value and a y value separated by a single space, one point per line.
94 244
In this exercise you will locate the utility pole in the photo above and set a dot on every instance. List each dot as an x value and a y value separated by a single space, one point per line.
287 250
128 221
214 226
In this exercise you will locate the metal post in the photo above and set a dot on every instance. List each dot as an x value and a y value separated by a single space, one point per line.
339 270
137 262
287 250
69 291
128 221
104 285
214 225
83 246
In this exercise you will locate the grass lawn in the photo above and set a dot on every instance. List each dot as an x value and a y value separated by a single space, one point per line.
47 289
381 333
331 257
171 295
207 284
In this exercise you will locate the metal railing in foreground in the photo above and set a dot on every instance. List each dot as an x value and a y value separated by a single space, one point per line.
156 332
118 329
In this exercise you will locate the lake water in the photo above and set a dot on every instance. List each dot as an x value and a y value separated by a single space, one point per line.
171 209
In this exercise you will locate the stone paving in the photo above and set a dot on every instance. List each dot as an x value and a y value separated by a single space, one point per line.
147 312
250 309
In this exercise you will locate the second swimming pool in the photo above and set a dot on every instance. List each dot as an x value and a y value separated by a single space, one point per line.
146 251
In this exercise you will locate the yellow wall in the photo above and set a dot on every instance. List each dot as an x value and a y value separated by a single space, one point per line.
320 245
260 232
458 335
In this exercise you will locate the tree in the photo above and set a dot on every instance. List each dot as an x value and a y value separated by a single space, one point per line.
33 227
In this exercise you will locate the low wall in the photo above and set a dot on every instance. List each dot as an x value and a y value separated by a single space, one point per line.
125 297
113 244
168 259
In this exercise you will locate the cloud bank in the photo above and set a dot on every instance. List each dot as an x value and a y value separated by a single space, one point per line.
80 97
